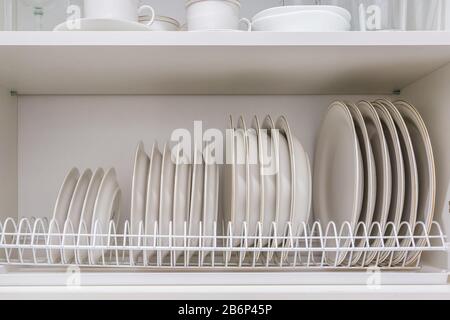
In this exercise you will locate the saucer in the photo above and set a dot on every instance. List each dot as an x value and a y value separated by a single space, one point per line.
101 25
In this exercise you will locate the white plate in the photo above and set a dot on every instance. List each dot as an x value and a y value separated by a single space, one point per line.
229 176
88 211
370 177
166 198
271 176
301 179
139 195
241 189
75 210
289 9
255 184
411 178
398 176
61 210
103 212
423 152
182 191
196 203
285 178
152 201
86 24
338 175
211 199
302 21
383 170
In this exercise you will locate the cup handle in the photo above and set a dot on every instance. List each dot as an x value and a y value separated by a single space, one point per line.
247 22
152 14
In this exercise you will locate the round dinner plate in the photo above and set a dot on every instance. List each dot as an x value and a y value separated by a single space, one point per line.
61 210
338 175
383 168
138 195
196 202
398 176
411 179
75 210
166 199
370 178
91 24
271 182
300 179
104 211
152 201
88 211
284 212
211 199
423 152
255 184
182 191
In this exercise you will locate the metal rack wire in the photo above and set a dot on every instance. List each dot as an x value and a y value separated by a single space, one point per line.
39 242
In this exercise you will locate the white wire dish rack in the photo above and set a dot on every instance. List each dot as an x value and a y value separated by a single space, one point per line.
39 242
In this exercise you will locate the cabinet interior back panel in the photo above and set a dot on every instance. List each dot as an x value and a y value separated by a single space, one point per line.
57 133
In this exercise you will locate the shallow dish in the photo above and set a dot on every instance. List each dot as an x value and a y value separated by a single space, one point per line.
302 21
289 9
338 175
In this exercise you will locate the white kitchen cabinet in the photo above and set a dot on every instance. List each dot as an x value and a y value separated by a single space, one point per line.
86 99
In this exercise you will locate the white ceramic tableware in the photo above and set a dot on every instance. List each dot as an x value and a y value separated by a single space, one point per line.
166 198
214 15
152 201
301 179
302 21
116 9
61 210
285 185
211 199
241 189
75 211
383 169
271 175
104 211
398 176
255 184
295 8
182 191
88 212
196 202
423 152
370 178
161 23
139 196
100 24
411 179
338 175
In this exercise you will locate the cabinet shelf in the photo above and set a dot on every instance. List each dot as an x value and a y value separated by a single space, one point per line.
218 63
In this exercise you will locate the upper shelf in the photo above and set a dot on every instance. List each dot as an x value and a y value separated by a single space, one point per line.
218 63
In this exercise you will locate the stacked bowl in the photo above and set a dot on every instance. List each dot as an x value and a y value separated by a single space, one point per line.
306 18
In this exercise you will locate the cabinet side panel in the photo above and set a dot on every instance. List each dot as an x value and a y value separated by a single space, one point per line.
431 95
8 154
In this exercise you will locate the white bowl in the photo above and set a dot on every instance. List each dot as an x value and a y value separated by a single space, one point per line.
161 23
290 9
213 14
303 21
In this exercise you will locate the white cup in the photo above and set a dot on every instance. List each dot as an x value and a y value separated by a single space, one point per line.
117 9
161 23
214 15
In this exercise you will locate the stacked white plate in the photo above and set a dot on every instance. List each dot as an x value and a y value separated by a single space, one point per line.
304 18
171 194
374 165
267 180
86 204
